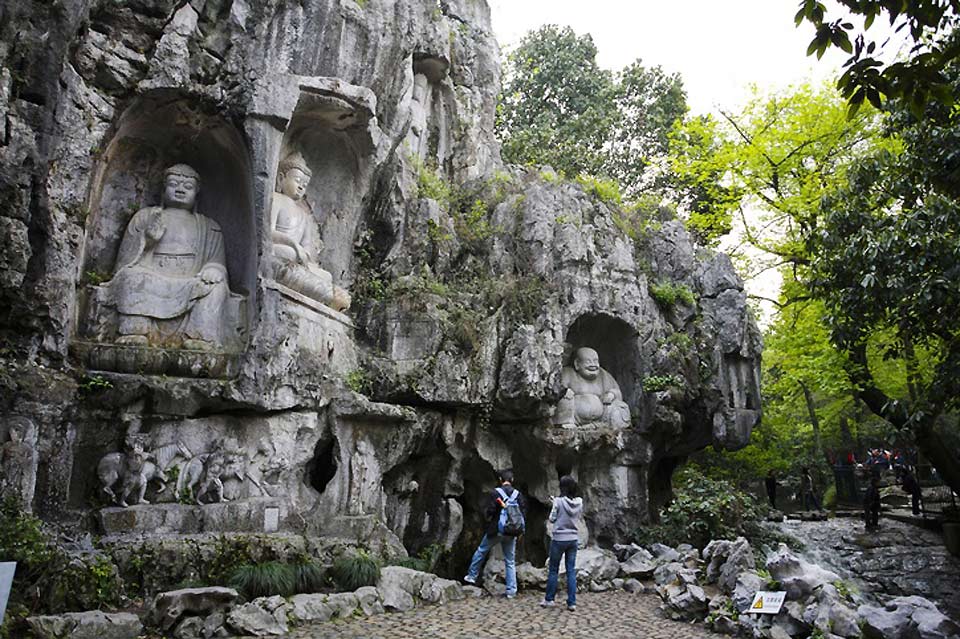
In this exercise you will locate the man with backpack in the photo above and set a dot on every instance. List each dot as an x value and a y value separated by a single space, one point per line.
505 521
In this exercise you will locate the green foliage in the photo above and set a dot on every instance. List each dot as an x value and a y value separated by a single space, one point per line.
426 560
94 384
431 185
473 226
95 278
640 218
668 294
357 571
702 510
830 497
48 580
604 190
656 383
559 108
358 380
916 79
264 579
308 576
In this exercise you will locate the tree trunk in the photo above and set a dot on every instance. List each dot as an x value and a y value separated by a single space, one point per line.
814 421
936 450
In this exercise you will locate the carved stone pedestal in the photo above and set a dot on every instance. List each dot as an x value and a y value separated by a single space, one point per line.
257 515
145 360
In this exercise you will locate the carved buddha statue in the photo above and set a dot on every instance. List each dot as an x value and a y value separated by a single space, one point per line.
592 394
295 238
170 283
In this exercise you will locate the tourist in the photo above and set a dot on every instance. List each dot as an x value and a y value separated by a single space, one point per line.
771 484
871 504
808 497
566 512
912 486
492 535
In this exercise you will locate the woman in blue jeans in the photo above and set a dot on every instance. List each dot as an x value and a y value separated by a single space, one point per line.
567 510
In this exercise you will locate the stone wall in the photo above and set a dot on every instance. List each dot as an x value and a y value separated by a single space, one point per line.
472 283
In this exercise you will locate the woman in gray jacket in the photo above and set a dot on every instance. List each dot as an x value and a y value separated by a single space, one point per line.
567 510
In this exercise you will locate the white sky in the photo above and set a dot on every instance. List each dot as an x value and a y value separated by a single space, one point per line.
719 48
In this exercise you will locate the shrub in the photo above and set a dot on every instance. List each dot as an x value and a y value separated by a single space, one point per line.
667 295
431 185
308 576
359 381
604 190
830 497
357 571
656 383
425 561
702 510
264 579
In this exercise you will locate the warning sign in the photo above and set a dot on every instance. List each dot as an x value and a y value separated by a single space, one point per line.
767 602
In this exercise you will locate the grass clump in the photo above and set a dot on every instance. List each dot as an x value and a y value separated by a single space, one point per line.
358 380
264 579
656 383
356 571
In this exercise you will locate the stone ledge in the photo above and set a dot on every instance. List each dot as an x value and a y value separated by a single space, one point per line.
139 360
257 515
311 304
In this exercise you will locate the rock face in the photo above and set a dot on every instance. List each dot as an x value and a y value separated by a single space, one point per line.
86 625
471 284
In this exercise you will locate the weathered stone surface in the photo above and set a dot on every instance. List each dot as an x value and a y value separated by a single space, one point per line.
748 583
169 607
86 625
383 424
797 576
726 560
639 566
306 608
595 564
400 588
906 617
263 616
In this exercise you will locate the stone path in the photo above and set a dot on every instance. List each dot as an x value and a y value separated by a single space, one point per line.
608 615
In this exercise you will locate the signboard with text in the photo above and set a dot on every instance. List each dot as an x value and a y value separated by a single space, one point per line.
7 569
768 603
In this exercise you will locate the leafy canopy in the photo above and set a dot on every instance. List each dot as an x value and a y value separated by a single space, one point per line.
559 108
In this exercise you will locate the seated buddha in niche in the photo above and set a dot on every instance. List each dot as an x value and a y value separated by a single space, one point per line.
296 239
592 394
170 282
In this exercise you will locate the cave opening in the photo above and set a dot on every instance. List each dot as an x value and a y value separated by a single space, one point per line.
615 342
323 467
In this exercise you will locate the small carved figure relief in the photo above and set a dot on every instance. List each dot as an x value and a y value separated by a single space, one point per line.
364 480
203 477
127 474
592 394
18 461
296 239
170 282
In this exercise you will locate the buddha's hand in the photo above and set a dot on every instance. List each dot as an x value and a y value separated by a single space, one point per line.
608 397
211 275
155 227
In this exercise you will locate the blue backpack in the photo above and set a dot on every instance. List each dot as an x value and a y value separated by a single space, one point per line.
511 523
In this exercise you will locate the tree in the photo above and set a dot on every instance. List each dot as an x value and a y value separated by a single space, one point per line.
560 108
916 79
887 263
776 158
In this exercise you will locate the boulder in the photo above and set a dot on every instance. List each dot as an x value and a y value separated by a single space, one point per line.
596 564
683 601
371 603
309 608
664 554
168 607
626 551
640 565
472 592
263 616
441 591
94 624
397 585
799 578
342 603
904 617
748 583
727 559
633 585
529 576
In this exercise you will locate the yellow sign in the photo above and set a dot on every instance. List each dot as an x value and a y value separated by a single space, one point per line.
767 603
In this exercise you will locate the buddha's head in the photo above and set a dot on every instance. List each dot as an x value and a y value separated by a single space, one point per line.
293 176
587 363
181 184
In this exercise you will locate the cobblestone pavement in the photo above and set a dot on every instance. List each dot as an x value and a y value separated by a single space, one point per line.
608 615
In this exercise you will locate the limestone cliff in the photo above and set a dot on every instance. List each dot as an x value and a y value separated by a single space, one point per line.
472 282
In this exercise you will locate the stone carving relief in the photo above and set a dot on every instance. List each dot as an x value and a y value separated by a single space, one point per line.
296 239
128 474
592 395
365 479
18 461
170 286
